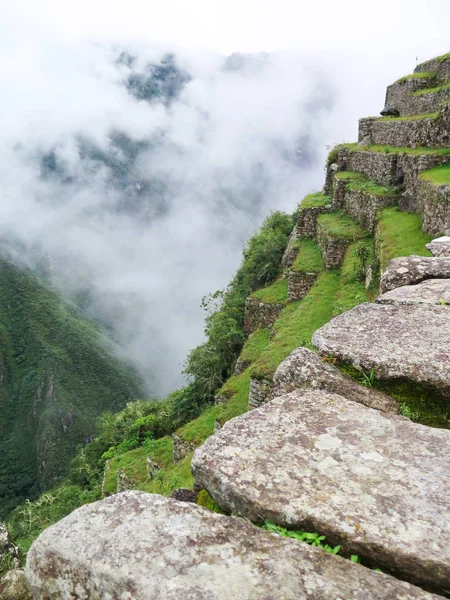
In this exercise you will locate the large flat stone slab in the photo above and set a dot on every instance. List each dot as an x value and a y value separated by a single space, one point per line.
412 269
440 246
396 341
375 482
304 368
137 546
430 291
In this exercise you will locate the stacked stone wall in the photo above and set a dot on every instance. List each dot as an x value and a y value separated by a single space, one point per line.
299 284
339 187
433 205
260 392
363 207
440 67
259 314
332 250
291 251
428 132
400 96
307 220
377 166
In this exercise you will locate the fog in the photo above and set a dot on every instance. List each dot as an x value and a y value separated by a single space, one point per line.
135 207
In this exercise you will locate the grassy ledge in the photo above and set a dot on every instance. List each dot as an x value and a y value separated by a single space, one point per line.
274 294
297 322
438 175
400 234
434 115
421 75
360 182
434 90
397 150
309 258
338 225
255 345
315 200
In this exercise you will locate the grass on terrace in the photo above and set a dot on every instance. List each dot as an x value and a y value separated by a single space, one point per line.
438 175
297 322
397 149
434 115
274 294
315 200
434 90
338 225
400 234
422 75
360 182
255 345
309 258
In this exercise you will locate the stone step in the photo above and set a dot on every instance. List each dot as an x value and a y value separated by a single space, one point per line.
439 65
430 291
374 482
440 246
396 341
362 198
147 547
335 232
305 369
430 130
417 95
409 270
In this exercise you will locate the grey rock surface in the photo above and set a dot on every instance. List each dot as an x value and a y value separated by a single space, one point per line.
312 460
304 368
137 546
440 246
14 586
408 270
396 341
430 291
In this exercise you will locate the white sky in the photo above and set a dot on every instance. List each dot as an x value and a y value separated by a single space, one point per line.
378 28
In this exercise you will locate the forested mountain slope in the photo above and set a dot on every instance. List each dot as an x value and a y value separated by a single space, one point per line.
57 374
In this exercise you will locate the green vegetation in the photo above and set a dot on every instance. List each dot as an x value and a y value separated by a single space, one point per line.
255 345
438 175
434 90
352 288
207 501
315 200
332 155
309 258
59 374
350 175
209 365
417 402
338 225
423 75
434 115
297 322
360 182
274 294
313 539
400 234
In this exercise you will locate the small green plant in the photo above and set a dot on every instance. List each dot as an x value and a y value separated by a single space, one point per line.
368 380
313 539
406 411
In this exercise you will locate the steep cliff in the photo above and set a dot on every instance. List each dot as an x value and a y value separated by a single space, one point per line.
346 394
